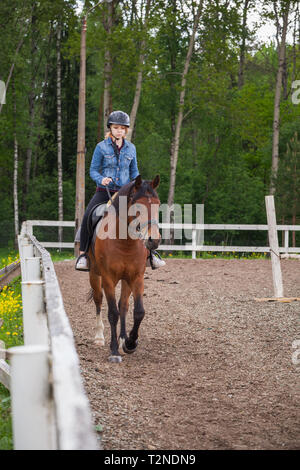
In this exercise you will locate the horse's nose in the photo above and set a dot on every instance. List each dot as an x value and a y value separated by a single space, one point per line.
152 244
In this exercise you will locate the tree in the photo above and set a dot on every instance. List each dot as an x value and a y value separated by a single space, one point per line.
59 134
285 8
176 137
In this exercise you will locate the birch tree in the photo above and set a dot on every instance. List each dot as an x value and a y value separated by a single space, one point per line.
176 137
138 88
107 98
246 6
285 8
16 163
59 134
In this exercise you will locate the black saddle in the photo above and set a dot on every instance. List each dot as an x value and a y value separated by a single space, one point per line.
94 216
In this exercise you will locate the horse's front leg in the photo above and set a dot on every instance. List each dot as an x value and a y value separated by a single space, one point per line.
113 317
123 309
131 342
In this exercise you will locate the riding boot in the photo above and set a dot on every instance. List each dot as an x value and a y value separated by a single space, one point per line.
83 263
154 260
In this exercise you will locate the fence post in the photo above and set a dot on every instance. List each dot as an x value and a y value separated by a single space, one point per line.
35 319
286 241
4 367
31 395
26 251
194 243
32 268
274 247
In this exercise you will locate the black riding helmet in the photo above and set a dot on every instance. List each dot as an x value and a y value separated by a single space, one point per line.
118 117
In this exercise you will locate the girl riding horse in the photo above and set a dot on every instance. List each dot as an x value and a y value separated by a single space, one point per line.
114 164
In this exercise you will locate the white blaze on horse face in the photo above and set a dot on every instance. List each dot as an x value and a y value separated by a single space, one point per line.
154 228
122 217
140 211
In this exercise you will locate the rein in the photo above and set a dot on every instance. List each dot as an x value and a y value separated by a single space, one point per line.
109 194
142 226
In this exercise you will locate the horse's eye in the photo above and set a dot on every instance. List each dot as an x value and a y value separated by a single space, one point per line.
138 227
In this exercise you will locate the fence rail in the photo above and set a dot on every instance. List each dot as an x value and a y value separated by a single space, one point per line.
50 409
196 229
4 272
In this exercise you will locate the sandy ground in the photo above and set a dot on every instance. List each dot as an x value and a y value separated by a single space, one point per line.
213 369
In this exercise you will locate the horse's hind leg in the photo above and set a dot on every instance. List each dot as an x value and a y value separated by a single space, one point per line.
95 281
123 309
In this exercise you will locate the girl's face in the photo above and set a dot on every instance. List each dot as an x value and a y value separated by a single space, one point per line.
118 131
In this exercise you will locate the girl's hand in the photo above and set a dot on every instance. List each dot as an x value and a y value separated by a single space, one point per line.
106 181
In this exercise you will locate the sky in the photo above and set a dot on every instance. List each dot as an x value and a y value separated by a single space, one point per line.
266 33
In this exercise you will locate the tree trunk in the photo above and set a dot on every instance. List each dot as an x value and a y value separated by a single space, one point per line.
107 99
12 68
59 136
138 87
276 119
31 100
176 138
44 98
100 119
16 161
243 45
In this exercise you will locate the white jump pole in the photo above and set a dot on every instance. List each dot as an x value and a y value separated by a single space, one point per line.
32 405
274 247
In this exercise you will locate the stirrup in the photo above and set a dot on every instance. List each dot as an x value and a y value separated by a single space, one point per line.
83 268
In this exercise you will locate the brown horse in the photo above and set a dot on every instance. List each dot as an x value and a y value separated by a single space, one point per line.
124 236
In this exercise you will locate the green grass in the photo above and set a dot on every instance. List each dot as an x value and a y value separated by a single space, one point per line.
6 435
57 255
11 332
7 257
212 255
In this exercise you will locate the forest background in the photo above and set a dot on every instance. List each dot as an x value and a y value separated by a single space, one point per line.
214 107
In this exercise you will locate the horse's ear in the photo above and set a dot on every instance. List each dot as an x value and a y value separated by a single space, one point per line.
156 181
138 182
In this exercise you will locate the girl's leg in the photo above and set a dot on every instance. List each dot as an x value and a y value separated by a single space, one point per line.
98 198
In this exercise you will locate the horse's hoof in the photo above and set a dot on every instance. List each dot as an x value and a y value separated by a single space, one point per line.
115 359
128 350
99 342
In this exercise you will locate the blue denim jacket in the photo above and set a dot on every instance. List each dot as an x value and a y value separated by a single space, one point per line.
105 164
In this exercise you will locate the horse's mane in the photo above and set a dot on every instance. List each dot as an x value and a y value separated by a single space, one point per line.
145 189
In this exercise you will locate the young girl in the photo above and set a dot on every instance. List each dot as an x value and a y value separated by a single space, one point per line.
108 170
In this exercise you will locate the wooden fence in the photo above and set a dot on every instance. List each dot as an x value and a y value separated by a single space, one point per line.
50 409
189 247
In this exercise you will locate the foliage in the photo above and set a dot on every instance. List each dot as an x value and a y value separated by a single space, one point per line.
6 440
11 329
226 136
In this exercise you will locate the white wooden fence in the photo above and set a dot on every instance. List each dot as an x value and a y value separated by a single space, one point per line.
49 406
189 247
199 229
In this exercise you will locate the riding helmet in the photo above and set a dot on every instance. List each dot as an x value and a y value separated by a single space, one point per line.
118 117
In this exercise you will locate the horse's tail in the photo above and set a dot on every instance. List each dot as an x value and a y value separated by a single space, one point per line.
90 295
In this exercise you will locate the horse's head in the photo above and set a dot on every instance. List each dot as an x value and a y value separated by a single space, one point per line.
143 212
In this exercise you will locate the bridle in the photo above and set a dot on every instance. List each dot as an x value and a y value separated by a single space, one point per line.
131 230
151 222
